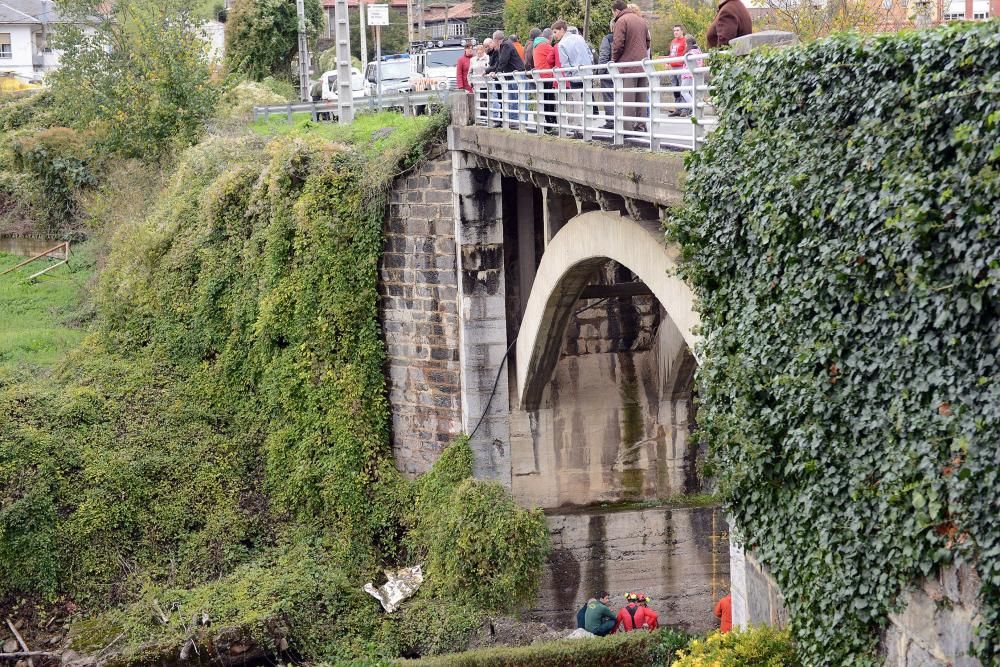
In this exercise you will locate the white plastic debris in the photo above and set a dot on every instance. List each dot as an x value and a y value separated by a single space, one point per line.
401 584
580 633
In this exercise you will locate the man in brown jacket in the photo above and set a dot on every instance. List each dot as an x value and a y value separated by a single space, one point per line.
630 43
732 21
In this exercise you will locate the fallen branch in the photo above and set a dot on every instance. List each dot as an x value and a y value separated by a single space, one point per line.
20 640
17 655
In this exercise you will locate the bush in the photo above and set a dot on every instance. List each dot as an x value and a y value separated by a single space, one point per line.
631 648
840 231
754 647
484 548
61 161
238 102
134 71
262 36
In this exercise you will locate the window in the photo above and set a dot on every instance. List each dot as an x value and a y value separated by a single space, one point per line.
5 51
457 29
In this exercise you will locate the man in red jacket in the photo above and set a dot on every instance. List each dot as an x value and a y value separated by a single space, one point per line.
462 69
732 21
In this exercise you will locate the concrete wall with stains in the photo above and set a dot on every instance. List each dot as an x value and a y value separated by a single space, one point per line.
677 556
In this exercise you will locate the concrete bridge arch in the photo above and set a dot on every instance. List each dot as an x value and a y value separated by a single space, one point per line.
586 242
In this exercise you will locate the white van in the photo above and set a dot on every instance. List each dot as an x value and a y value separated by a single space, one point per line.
329 90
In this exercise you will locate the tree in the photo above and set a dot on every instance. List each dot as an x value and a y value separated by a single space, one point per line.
262 36
487 16
520 16
694 15
810 19
134 71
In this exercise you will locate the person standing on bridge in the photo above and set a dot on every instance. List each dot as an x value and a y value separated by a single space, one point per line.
529 59
546 57
463 67
508 62
630 43
599 619
731 21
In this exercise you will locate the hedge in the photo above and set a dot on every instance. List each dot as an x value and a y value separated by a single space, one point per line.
842 231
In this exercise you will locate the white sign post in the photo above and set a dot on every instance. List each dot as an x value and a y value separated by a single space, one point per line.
378 16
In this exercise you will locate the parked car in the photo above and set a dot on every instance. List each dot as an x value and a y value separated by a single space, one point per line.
395 72
327 88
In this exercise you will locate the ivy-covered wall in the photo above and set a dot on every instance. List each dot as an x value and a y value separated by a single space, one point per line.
842 230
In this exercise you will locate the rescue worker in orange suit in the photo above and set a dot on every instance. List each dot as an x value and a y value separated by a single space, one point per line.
724 610
646 619
628 615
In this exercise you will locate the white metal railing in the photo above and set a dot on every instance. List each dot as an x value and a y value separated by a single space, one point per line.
621 103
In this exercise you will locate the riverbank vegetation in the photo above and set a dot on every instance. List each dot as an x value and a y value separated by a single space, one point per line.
208 467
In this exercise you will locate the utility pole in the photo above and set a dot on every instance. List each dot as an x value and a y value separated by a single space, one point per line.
420 18
345 98
300 7
409 22
364 37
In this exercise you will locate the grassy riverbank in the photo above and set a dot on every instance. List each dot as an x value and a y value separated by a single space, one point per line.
42 320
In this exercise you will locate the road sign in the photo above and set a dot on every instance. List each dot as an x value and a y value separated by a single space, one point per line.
378 14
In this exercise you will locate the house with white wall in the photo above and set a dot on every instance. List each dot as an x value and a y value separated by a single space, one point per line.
25 27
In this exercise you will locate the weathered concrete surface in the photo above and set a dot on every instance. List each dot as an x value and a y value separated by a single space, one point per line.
479 235
656 178
569 262
418 300
936 626
614 419
679 557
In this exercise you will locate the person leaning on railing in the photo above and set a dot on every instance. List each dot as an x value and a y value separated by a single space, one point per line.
630 43
508 61
546 58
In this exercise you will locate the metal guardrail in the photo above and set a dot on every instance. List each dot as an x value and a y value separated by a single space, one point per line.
409 103
621 103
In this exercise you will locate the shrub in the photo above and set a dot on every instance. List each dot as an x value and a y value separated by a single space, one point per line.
134 71
754 647
841 234
631 648
61 160
484 548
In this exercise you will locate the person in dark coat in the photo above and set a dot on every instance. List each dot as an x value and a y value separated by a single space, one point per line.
603 58
508 60
731 21
529 62
630 43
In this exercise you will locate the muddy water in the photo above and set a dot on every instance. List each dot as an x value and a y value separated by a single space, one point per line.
677 556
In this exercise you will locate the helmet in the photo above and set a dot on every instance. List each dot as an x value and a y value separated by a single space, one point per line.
631 597
646 598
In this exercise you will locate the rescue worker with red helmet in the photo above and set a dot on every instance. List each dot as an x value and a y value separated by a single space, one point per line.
646 618
628 615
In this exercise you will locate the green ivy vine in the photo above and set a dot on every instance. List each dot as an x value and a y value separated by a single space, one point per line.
841 228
